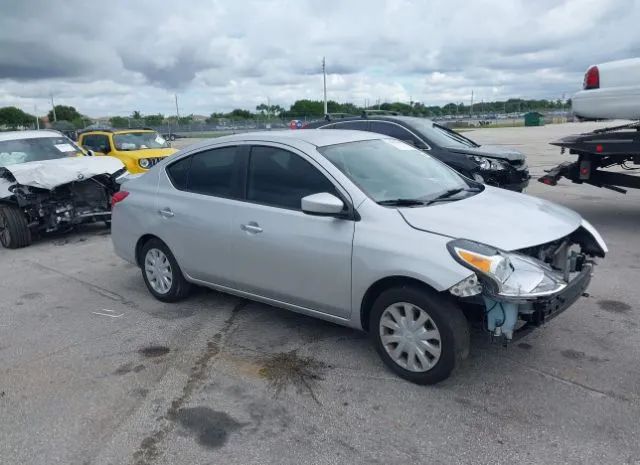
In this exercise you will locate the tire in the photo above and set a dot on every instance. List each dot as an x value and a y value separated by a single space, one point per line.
156 261
442 350
172 137
14 228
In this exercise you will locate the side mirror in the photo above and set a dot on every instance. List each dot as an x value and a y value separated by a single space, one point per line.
91 153
322 204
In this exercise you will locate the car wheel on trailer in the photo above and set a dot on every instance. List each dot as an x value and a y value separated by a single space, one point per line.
14 228
419 334
161 272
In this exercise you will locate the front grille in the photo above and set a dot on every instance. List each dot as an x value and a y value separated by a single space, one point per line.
154 161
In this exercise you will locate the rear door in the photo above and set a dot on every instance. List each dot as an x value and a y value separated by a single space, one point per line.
282 253
198 197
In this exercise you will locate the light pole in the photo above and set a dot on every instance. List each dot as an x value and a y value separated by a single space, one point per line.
324 81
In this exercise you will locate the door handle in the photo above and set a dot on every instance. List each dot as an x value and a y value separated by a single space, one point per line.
251 227
166 213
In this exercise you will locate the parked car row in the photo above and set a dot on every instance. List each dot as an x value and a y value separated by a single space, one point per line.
360 229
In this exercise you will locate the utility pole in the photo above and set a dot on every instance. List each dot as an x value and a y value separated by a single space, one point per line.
53 107
177 112
324 80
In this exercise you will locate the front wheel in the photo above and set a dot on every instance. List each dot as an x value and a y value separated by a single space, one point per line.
161 272
14 228
419 334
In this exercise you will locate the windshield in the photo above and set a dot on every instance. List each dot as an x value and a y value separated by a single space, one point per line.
13 152
440 135
387 169
139 141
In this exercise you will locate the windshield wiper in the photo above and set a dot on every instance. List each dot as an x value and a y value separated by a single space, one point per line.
401 202
450 193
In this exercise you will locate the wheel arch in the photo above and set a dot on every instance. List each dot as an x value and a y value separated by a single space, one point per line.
140 244
382 285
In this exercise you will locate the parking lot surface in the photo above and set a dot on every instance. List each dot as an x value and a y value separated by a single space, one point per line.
93 370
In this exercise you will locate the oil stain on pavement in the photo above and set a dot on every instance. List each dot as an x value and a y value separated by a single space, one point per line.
286 369
614 306
211 427
154 351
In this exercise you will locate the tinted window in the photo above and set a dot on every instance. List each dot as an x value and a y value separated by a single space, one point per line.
356 125
281 178
214 173
396 131
96 142
178 173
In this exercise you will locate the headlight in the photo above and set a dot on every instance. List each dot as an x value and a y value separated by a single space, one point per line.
506 275
489 163
144 163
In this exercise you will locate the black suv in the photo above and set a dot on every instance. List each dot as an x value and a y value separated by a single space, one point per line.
494 165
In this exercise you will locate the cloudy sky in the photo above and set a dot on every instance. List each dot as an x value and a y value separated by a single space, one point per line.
223 54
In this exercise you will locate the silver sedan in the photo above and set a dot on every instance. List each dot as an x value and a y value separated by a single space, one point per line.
359 229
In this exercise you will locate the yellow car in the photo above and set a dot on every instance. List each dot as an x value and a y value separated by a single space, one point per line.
138 149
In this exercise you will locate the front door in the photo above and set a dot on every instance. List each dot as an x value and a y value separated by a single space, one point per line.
282 253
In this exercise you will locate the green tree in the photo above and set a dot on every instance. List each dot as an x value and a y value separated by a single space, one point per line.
154 120
240 114
186 120
119 122
136 115
13 117
64 113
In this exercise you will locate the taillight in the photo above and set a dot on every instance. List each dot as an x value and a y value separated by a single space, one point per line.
591 78
118 197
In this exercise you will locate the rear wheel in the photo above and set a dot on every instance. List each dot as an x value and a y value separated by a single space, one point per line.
14 228
419 334
161 272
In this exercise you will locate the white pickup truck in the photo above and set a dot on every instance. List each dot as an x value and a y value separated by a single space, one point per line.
610 90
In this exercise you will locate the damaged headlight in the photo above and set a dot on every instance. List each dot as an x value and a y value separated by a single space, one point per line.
490 164
506 275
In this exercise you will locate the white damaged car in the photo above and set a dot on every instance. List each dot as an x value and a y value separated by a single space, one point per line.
47 184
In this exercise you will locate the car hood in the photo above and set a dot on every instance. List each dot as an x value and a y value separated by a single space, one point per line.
493 151
496 217
149 153
49 174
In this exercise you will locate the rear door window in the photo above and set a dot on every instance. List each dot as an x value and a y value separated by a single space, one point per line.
212 172
396 131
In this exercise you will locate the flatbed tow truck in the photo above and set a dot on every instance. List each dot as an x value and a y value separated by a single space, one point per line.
603 148
609 91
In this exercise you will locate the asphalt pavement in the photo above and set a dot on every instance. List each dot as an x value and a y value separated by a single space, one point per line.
93 370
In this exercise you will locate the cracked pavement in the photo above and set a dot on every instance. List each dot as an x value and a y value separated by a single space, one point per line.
93 370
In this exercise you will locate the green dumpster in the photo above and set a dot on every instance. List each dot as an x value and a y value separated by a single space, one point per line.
533 118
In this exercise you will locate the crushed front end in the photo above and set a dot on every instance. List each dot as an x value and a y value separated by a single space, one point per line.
522 289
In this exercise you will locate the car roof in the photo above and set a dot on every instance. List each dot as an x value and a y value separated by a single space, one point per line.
316 137
409 120
18 135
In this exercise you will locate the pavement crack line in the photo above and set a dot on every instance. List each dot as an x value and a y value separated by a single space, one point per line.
93 287
568 382
150 447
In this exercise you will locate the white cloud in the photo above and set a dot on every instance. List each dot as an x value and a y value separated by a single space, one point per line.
219 55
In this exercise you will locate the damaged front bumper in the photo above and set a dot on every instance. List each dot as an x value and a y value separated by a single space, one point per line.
511 318
525 288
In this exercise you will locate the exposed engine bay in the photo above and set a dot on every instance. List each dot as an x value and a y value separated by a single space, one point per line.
66 205
55 195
